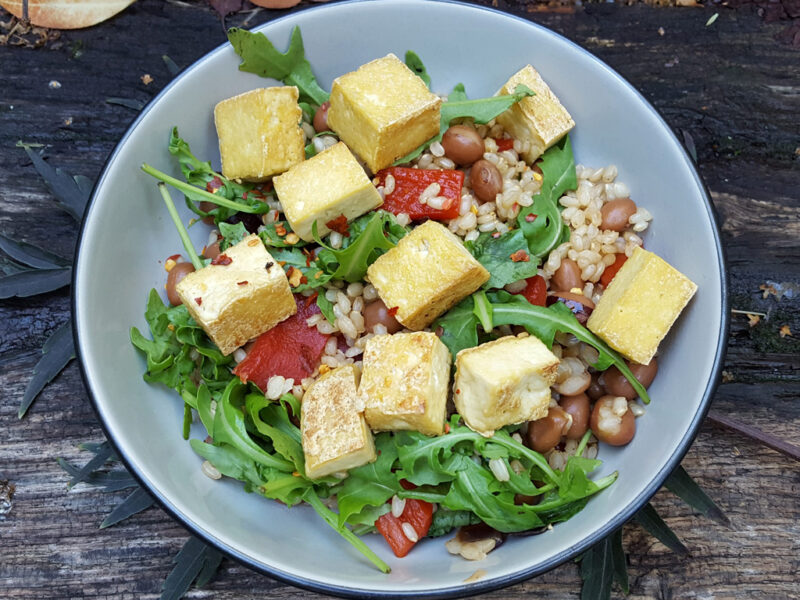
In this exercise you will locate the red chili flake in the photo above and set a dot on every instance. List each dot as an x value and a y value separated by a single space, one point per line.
222 259
311 299
447 427
309 256
199 301
393 311
458 390
339 225
241 282
504 144
496 234
304 279
520 256
244 196
213 185
174 257
280 229
530 217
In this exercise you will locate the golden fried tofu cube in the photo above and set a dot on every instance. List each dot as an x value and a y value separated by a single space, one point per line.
640 305
540 120
428 272
404 382
240 297
503 382
335 435
323 188
383 111
259 133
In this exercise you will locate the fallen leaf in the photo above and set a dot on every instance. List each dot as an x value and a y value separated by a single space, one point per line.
753 319
784 331
146 79
711 19
479 574
66 14
767 289
727 377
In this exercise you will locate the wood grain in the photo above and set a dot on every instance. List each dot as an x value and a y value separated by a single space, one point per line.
730 86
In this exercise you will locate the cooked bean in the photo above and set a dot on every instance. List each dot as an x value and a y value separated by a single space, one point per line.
567 277
205 207
616 213
176 273
211 251
485 180
321 118
545 433
462 144
578 407
615 382
595 390
612 421
376 313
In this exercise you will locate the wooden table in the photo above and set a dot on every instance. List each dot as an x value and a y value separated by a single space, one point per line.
730 87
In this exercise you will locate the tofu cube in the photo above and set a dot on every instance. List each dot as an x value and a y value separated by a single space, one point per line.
242 296
259 133
503 382
335 435
383 111
540 120
640 305
428 272
323 188
404 382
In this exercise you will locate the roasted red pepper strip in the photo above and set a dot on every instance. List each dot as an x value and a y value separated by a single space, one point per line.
612 269
417 513
410 183
535 291
504 144
291 348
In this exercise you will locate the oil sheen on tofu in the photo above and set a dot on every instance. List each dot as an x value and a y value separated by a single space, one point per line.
504 381
241 297
428 272
404 382
259 133
383 111
640 305
335 435
324 187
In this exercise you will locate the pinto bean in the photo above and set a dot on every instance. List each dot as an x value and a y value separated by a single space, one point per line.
176 274
485 180
612 421
462 144
578 407
321 118
376 313
616 214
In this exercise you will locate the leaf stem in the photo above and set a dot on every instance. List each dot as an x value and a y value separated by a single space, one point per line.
189 189
483 310
330 518
187 243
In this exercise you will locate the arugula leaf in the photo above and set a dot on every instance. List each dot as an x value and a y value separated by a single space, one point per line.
547 230
445 520
326 307
231 234
259 56
269 235
283 434
481 110
495 255
414 62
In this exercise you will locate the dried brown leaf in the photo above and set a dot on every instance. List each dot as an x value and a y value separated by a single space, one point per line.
784 331
66 14
753 319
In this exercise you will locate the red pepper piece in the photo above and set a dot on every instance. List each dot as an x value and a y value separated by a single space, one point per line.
535 291
410 183
417 513
339 225
504 144
222 259
214 184
611 270
291 348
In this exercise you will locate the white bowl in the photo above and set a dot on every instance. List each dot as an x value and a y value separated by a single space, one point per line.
127 231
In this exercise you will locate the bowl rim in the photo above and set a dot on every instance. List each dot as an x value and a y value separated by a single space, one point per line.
477 587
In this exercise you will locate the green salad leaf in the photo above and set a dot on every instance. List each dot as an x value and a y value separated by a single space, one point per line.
414 62
231 234
259 56
495 255
481 110
445 520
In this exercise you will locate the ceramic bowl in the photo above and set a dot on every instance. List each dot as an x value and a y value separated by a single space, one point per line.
127 232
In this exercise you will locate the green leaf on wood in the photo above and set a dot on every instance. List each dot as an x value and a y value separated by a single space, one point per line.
682 485
30 255
138 501
652 522
196 561
131 103
171 65
57 351
109 481
102 454
597 571
32 282
619 561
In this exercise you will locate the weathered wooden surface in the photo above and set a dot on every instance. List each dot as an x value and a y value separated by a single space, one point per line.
730 86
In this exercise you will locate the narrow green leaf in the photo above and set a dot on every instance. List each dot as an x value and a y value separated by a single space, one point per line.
30 283
71 193
620 561
652 522
57 351
171 65
31 255
682 485
131 103
195 561
138 501
597 571
102 454
414 63
110 481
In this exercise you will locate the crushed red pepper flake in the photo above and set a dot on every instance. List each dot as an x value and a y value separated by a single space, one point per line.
447 427
339 225
222 259
214 184
496 234
280 229
393 311
245 282
174 257
520 256
309 256
530 217
199 301
311 299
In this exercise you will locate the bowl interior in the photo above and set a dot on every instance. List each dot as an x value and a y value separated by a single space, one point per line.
128 225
